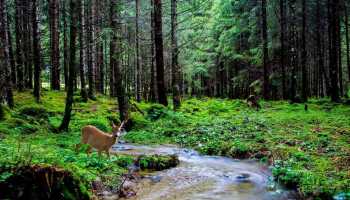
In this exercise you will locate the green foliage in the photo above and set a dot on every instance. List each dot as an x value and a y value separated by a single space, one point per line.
156 111
158 162
113 119
35 111
239 150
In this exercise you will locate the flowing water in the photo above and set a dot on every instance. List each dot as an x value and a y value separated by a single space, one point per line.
200 177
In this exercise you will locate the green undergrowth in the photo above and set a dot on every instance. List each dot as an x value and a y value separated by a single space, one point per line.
308 150
28 138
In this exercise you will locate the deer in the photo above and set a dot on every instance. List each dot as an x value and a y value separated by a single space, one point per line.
98 139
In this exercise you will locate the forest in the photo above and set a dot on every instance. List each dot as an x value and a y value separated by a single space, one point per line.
175 99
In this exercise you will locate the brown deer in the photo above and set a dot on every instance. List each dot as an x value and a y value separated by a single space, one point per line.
98 139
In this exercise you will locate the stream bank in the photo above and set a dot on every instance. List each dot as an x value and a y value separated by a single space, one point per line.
200 177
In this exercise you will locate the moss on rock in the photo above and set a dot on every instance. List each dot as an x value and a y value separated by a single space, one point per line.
42 182
158 162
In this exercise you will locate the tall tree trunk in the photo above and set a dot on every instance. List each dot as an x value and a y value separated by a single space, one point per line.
153 85
91 49
19 41
12 58
304 73
100 58
293 51
5 56
36 51
54 44
111 78
74 12
320 54
158 40
115 63
97 44
82 58
27 44
334 22
137 53
65 47
174 57
283 23
340 62
347 39
266 88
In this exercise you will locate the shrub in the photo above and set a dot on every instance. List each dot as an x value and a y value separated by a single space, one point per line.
158 162
288 177
28 128
34 111
15 122
113 118
156 111
239 150
213 147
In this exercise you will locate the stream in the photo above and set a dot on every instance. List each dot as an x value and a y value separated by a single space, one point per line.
199 177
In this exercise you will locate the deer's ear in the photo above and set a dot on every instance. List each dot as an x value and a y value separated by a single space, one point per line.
113 125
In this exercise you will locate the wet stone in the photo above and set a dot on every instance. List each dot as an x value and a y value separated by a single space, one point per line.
243 177
155 179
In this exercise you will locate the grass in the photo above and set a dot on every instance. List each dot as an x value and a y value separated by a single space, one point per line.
308 150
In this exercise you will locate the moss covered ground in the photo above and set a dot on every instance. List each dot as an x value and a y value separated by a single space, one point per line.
308 150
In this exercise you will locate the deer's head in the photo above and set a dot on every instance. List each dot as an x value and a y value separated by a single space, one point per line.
117 130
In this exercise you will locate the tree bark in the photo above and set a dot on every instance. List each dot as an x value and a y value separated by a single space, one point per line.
282 38
174 57
100 58
74 12
98 63
265 50
54 44
137 53
153 85
82 32
115 63
12 58
36 51
19 41
334 22
65 47
91 50
320 54
293 51
5 56
158 40
27 44
304 73
347 39
340 61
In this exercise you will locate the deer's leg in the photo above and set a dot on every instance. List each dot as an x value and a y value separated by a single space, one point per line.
107 152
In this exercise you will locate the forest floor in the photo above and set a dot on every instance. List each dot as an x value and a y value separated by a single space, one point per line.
308 150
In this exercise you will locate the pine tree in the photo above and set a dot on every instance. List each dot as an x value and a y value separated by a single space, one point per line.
159 57
74 12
